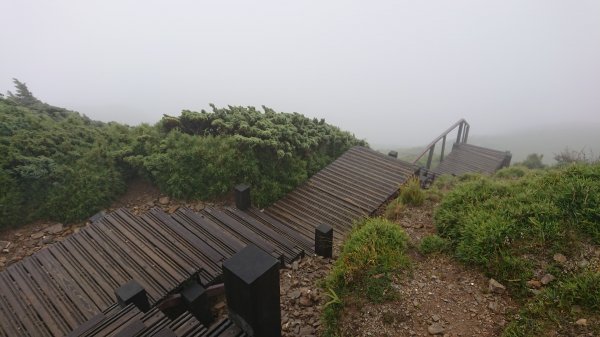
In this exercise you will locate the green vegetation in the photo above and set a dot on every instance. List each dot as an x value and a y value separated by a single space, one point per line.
59 165
557 309
533 161
371 255
508 226
411 194
433 244
512 224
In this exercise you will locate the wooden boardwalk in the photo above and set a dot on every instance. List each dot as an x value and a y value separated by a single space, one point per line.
352 187
467 158
131 322
69 286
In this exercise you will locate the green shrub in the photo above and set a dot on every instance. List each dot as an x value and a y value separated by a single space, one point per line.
394 209
411 193
433 244
552 310
499 224
373 251
511 172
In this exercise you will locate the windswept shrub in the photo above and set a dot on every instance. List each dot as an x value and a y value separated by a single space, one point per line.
394 209
499 223
411 193
553 309
373 251
433 244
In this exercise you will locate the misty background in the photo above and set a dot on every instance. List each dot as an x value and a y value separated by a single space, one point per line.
525 74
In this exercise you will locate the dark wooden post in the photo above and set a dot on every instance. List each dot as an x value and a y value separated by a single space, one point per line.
430 156
324 240
132 292
458 136
196 299
443 148
251 280
393 154
242 196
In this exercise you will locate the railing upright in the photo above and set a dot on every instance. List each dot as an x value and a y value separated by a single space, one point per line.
461 137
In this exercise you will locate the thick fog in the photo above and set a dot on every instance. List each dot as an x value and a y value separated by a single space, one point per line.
393 72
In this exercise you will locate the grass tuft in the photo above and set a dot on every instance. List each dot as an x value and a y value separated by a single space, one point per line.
411 193
433 244
373 252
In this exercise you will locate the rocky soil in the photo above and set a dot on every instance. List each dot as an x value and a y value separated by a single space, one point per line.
302 298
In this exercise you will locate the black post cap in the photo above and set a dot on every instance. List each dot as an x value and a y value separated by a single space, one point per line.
196 299
251 280
242 196
132 292
324 240
393 154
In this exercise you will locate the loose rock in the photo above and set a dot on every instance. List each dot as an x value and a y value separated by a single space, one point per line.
55 229
547 279
560 258
164 200
435 329
496 287
581 322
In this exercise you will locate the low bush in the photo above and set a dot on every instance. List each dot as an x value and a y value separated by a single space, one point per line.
433 244
507 224
556 309
411 193
372 253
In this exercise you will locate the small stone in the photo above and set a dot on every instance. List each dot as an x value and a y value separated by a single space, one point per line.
220 305
150 204
496 287
583 263
5 244
307 331
164 200
305 301
435 329
560 258
535 284
435 318
55 229
46 239
295 265
37 235
547 279
581 322
294 294
493 306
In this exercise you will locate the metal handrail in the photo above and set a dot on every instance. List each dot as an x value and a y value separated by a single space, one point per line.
461 137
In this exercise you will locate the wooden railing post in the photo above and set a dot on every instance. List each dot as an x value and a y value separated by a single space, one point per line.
430 157
458 136
443 148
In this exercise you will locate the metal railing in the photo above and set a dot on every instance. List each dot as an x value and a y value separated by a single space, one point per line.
461 137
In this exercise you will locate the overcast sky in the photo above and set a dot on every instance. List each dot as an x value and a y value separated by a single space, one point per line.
389 71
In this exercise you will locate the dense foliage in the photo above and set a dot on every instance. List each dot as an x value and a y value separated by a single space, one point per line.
56 164
514 225
271 151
